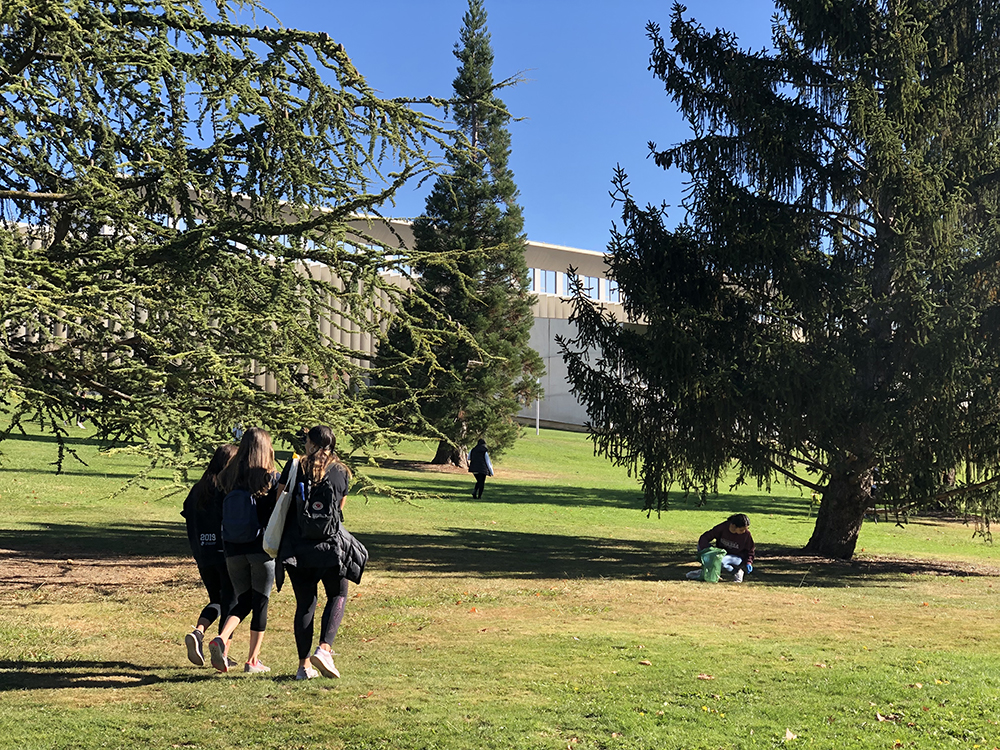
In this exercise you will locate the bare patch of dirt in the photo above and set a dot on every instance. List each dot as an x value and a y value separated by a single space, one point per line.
399 464
23 573
426 467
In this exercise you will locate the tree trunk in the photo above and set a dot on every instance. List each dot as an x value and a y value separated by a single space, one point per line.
841 511
448 454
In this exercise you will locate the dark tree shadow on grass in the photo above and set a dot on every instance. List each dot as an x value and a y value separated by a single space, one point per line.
475 552
487 553
86 541
55 675
453 486
69 440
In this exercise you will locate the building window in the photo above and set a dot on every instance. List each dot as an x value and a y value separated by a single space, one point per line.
549 282
531 280
613 294
591 287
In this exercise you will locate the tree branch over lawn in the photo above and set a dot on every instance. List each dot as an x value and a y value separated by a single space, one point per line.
174 186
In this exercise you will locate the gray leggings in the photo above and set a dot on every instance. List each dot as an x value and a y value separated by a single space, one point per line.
252 576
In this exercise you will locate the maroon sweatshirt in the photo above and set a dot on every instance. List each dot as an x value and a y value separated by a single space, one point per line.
733 544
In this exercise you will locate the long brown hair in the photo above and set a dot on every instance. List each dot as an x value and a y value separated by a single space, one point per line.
209 481
252 467
322 456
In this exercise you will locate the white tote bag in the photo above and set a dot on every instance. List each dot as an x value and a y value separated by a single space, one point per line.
276 523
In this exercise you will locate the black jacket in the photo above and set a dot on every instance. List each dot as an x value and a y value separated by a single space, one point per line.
204 525
341 551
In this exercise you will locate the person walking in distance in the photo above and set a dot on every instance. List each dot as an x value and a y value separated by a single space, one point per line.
480 466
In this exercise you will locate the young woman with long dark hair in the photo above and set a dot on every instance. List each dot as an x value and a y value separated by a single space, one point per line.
203 515
252 476
311 558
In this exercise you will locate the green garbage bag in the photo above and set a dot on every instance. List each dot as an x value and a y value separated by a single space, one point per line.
711 563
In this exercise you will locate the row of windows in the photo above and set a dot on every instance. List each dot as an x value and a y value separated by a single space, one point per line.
542 281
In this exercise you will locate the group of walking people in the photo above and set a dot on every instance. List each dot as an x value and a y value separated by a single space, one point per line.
227 513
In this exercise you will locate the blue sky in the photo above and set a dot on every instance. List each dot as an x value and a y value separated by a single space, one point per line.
588 104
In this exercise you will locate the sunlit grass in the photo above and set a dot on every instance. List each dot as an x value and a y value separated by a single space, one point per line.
551 614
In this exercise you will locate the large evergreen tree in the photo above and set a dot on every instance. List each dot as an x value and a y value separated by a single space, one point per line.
470 245
827 313
173 185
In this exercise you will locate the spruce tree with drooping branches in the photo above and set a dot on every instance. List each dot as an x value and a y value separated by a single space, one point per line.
826 311
471 247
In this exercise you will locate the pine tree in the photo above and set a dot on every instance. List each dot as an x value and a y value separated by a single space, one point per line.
174 184
470 248
827 311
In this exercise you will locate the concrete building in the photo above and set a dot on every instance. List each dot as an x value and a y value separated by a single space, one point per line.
548 265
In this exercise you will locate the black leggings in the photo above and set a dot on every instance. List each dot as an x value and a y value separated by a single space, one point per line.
220 592
477 491
252 576
305 583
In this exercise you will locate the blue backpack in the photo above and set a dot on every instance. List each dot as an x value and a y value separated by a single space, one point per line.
239 517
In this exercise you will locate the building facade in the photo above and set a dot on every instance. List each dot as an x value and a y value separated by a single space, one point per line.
548 266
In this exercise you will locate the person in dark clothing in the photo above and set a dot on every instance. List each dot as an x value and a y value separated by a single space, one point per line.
732 535
310 562
480 466
203 516
251 569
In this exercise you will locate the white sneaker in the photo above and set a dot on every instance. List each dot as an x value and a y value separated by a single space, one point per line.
323 661
196 654
306 673
738 576
255 667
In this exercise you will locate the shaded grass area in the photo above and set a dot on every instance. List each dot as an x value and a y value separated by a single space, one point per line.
554 614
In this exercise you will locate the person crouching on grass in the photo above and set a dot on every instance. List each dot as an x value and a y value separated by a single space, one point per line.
733 536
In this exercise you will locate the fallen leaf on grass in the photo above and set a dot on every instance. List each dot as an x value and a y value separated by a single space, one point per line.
705 677
916 685
789 735
473 611
821 665
369 694
646 663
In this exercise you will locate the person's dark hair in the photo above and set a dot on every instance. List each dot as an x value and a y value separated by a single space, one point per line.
481 442
252 467
322 456
739 520
205 488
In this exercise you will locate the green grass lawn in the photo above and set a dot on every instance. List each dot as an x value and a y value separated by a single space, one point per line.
551 614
